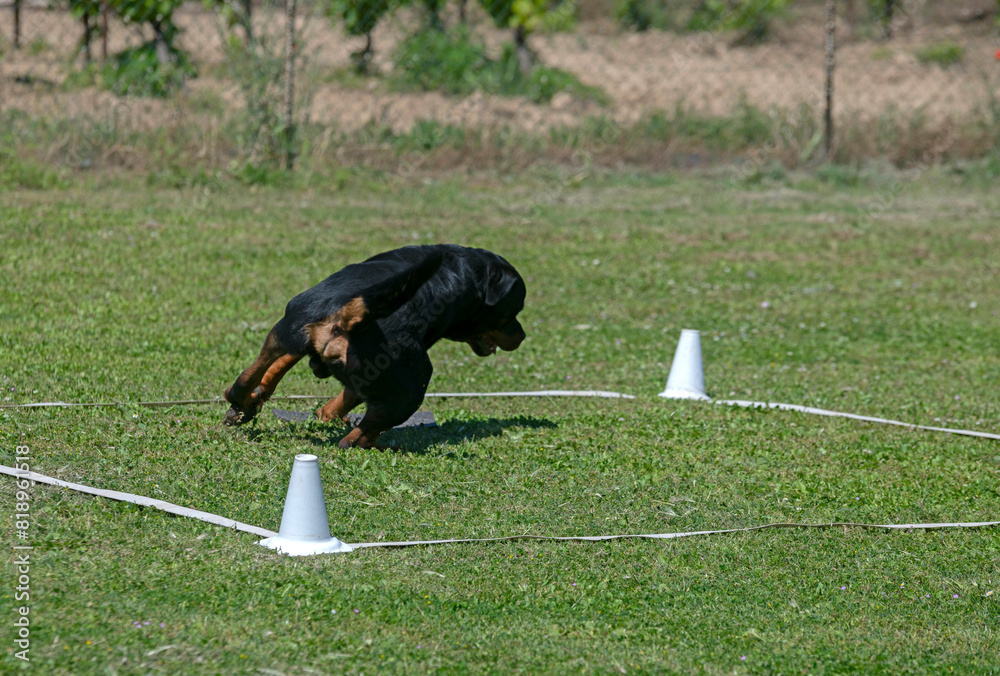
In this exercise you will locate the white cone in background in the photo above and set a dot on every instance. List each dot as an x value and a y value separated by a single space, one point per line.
304 527
687 375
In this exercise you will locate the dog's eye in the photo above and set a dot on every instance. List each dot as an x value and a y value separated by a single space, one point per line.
337 332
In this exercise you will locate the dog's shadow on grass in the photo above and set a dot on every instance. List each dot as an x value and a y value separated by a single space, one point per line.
424 440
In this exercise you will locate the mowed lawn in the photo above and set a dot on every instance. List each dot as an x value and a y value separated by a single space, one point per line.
876 298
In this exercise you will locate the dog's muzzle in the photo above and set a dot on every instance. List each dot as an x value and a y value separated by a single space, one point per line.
508 339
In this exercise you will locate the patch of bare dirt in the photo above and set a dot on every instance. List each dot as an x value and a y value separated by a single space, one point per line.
642 73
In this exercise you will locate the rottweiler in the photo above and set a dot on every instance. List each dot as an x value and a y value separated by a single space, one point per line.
371 324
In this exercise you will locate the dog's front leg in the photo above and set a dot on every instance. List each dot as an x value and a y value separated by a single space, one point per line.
256 384
338 407
273 376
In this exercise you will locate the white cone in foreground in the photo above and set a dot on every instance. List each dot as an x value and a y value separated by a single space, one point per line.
687 375
304 527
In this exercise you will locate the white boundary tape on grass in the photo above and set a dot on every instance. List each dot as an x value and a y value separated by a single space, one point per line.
263 532
852 416
671 536
538 393
139 500
218 400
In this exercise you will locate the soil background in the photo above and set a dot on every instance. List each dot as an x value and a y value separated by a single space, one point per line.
641 72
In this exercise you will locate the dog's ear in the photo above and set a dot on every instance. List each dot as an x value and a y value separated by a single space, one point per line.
325 333
352 314
384 298
322 335
500 283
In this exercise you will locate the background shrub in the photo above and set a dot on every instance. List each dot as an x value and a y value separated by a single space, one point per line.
642 15
752 18
138 71
943 54
452 62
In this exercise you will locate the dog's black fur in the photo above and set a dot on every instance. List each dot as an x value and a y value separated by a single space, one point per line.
370 326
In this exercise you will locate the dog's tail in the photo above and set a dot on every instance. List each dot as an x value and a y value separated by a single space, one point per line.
391 293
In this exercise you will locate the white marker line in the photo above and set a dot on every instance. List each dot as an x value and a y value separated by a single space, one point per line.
140 500
540 393
263 532
670 536
219 400
852 416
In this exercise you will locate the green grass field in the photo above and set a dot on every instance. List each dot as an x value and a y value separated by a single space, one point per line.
879 298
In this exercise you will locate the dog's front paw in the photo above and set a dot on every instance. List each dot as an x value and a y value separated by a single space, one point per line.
328 413
351 439
238 416
359 438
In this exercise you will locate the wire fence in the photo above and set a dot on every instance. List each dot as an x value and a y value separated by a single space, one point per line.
932 88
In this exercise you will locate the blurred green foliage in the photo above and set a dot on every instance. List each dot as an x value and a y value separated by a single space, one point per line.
154 68
137 71
752 18
643 15
452 62
943 53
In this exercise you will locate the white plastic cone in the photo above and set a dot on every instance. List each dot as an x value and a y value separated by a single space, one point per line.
304 527
687 375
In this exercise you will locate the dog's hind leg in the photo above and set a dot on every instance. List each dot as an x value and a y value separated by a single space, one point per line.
398 398
369 429
253 387
338 407
381 416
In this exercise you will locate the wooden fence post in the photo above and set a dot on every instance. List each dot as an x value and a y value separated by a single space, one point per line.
289 84
831 26
17 24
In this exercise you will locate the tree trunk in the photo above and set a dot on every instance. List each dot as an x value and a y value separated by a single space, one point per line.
104 31
17 24
85 38
524 60
433 8
162 45
831 26
289 83
247 20
890 7
362 58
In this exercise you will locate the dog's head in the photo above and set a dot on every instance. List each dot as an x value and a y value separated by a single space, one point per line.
497 325
330 337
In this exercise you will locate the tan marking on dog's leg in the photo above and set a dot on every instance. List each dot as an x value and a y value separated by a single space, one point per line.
377 420
273 376
361 439
240 393
338 407
351 439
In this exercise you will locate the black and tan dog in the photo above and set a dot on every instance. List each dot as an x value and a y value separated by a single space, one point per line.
370 326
